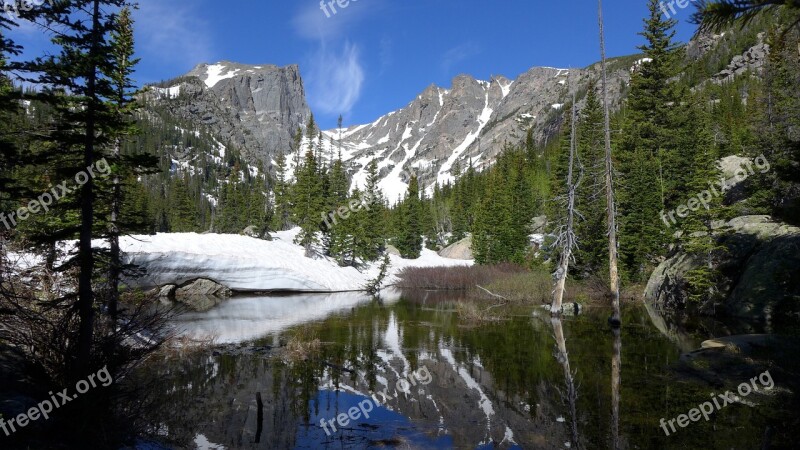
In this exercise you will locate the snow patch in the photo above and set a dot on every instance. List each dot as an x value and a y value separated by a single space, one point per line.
247 264
218 72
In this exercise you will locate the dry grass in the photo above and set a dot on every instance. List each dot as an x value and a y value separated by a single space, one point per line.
505 282
454 278
303 345
301 350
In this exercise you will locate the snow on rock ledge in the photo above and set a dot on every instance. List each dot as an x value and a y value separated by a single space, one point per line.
245 264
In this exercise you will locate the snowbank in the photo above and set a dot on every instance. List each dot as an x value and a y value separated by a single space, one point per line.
247 264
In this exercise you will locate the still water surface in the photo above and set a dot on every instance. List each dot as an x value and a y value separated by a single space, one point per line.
428 380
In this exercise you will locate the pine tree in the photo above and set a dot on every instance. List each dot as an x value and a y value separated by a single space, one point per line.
122 47
716 15
697 231
308 201
778 129
646 147
611 202
372 230
592 254
281 218
89 124
338 195
409 241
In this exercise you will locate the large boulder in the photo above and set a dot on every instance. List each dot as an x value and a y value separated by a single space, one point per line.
392 250
539 225
459 250
760 272
255 232
201 294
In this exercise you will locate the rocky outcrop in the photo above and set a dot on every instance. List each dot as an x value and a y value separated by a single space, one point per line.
167 292
254 232
256 108
459 250
201 294
752 60
760 272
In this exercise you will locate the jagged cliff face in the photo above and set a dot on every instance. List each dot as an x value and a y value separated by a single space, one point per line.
259 108
439 133
256 108
443 130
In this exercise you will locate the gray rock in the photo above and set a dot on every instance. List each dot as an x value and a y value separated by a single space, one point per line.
539 225
760 272
253 232
168 291
392 250
752 60
201 294
459 250
258 109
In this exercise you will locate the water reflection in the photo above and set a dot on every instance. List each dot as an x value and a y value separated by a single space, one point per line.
571 392
494 385
616 375
245 318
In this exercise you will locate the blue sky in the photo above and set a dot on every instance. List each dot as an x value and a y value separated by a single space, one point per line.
375 56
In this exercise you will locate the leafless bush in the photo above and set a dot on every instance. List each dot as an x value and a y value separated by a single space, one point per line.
454 278
39 319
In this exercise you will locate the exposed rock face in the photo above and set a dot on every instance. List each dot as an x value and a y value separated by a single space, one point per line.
256 108
459 250
167 291
259 108
201 294
751 61
443 130
760 269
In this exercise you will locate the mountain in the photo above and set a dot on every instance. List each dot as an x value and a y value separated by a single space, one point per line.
443 130
259 108
255 108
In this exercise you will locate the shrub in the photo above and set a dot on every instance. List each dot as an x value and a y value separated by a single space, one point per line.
454 278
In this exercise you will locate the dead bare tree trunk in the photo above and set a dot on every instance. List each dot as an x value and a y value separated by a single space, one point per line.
572 392
616 382
567 236
609 176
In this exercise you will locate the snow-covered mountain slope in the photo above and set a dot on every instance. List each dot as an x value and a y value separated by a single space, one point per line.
259 108
441 131
246 264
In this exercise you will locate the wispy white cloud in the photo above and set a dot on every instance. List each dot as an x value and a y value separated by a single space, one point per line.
458 54
335 70
173 31
335 79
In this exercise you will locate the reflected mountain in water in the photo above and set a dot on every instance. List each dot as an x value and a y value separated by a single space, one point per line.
497 385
